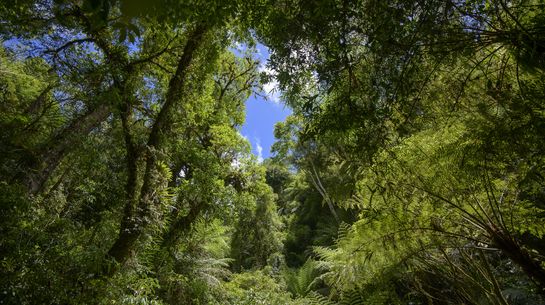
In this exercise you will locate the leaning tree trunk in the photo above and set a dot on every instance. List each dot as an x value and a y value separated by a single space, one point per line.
520 256
137 213
68 138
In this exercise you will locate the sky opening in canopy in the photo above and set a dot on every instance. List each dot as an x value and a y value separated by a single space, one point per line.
263 112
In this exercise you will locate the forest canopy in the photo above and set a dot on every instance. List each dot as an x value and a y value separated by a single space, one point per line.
410 171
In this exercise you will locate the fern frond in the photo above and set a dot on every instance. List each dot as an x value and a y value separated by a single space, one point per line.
315 298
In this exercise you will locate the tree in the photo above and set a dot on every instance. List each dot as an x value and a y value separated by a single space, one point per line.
131 129
409 172
257 238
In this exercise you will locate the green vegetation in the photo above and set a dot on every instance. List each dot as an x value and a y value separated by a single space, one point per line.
411 171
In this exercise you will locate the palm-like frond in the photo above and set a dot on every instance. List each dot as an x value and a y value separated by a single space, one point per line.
301 281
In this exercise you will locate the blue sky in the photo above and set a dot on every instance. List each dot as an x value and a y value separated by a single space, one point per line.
262 114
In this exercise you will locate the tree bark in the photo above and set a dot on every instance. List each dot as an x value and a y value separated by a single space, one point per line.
65 140
80 127
520 256
133 225
180 226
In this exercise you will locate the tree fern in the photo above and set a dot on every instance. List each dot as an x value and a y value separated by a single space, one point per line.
352 297
315 298
301 281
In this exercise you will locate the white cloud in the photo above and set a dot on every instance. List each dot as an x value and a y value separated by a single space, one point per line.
243 136
261 53
259 150
271 88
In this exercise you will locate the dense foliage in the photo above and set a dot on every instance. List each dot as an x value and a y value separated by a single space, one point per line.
411 170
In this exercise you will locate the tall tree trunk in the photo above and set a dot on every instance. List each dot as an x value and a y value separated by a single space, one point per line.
133 225
80 127
68 138
181 225
520 256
